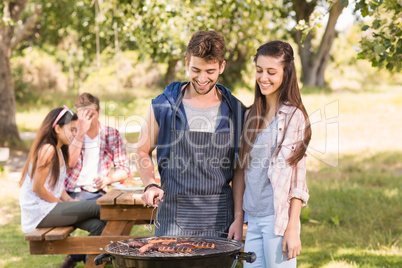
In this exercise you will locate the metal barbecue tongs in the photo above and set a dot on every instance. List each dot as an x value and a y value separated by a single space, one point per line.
156 222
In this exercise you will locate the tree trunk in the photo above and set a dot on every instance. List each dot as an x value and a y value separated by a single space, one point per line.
320 79
306 57
170 75
314 64
327 40
8 127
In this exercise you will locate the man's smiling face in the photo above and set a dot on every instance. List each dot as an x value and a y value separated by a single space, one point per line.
203 74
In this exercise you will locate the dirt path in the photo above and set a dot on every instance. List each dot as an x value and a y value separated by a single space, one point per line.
12 173
9 185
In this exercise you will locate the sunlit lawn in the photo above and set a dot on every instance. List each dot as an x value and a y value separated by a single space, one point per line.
354 216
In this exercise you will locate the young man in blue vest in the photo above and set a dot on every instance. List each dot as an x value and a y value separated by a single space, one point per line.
195 127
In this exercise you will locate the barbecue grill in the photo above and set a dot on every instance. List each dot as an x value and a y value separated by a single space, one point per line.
225 254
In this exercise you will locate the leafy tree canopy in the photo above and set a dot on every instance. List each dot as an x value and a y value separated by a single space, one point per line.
382 43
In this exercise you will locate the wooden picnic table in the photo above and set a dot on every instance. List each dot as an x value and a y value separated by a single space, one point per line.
121 209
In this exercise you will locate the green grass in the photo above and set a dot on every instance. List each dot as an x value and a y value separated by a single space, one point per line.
354 217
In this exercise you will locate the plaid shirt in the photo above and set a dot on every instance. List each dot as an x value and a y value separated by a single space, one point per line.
287 182
112 151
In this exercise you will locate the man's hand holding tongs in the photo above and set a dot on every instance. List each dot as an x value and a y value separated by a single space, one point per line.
152 195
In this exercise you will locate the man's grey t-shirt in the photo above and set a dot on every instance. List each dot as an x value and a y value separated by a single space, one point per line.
203 119
258 198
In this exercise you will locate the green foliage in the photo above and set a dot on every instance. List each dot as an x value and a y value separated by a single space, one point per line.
345 72
382 43
36 71
67 29
5 18
133 74
162 29
21 86
159 30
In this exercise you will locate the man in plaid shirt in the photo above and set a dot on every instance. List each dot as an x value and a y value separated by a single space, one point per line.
93 152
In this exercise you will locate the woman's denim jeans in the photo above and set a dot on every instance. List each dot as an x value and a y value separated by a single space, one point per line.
261 240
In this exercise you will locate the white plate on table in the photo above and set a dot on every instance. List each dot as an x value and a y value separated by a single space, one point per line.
119 186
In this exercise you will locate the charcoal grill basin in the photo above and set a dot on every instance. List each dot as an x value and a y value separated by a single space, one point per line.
225 254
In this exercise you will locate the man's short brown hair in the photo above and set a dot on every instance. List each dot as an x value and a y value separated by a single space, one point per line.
86 99
208 45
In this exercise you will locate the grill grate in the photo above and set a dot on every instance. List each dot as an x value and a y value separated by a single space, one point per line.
221 246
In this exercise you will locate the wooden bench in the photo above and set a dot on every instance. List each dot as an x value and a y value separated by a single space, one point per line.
51 233
56 240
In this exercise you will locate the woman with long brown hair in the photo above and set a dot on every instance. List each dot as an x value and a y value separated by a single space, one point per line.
43 200
270 182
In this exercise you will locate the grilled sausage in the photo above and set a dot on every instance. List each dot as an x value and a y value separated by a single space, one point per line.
136 244
199 244
156 246
183 248
163 240
188 245
145 247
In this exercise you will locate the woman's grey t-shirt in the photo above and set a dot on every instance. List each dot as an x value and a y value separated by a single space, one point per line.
258 198
203 119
